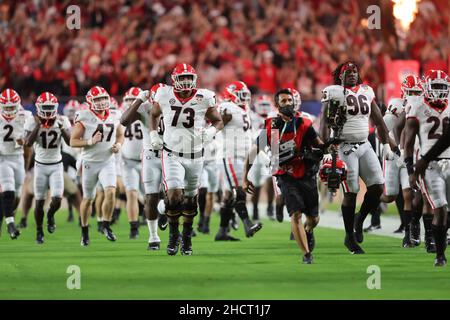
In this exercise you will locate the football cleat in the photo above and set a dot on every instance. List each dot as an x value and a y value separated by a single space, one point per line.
153 246
109 234
415 233
400 229
352 246
406 242
372 228
84 241
280 216
22 224
51 226
13 232
162 222
40 237
430 245
223 235
251 228
100 226
134 233
311 240
440 261
359 235
186 246
307 258
173 245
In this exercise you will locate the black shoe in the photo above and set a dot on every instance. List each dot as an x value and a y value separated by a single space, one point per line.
372 228
440 261
70 217
115 216
162 222
311 240
100 226
280 216
186 246
400 229
205 229
173 245
134 233
51 226
359 235
40 237
406 242
153 246
84 240
352 246
430 245
109 234
22 224
223 235
307 258
251 228
415 233
291 237
13 232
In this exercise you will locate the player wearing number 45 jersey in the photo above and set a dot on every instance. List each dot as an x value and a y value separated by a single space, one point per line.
428 117
45 131
358 101
12 168
184 109
100 134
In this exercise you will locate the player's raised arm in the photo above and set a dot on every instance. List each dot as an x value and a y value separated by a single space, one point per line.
216 119
131 115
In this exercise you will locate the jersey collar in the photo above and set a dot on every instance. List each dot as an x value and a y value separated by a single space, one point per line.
184 100
353 89
439 110
103 118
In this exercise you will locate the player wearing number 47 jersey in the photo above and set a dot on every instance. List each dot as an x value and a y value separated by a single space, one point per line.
358 101
184 109
45 131
12 168
100 134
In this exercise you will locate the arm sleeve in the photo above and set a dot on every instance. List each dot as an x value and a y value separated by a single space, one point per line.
440 146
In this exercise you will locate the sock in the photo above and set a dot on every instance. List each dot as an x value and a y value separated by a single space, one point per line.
85 231
152 228
416 215
376 215
407 216
370 203
8 202
106 224
134 225
400 203
427 221
187 229
241 209
202 203
116 212
9 220
173 229
348 214
206 222
54 206
39 217
99 219
440 238
225 215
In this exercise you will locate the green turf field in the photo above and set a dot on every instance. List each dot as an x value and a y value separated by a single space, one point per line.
265 267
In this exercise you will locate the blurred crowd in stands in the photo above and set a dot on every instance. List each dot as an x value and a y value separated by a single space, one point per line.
264 43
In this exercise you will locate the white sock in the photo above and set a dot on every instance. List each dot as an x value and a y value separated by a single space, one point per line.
9 220
99 219
153 229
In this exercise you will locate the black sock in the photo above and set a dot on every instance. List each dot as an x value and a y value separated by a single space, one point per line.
427 221
106 224
9 198
202 202
376 215
206 222
407 216
187 229
348 214
116 212
399 202
225 216
173 228
55 204
241 209
85 231
39 214
134 225
416 215
440 238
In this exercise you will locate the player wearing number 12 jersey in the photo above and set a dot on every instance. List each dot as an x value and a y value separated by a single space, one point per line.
359 102
99 132
184 109
45 132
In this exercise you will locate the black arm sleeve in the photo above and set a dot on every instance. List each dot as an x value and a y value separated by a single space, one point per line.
439 147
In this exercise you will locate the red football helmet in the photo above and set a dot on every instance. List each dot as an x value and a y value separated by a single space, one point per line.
238 93
297 98
154 89
70 108
264 105
411 86
114 105
98 99
436 86
9 103
130 96
326 167
47 106
184 77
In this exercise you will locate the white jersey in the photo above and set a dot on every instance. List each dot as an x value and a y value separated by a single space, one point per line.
47 147
92 123
184 121
257 123
132 145
358 101
431 123
12 130
237 134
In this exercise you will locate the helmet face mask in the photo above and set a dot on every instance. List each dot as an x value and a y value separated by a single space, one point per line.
10 110
185 82
101 103
437 87
238 93
9 103
47 111
98 99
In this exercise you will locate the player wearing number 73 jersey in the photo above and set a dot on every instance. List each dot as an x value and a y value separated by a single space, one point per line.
12 168
99 132
45 132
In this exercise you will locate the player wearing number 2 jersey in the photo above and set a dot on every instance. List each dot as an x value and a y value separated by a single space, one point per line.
45 132
359 102
100 134
12 168
184 109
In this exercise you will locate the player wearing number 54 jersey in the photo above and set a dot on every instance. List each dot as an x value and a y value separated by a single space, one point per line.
45 131
12 168
359 102
184 109
99 132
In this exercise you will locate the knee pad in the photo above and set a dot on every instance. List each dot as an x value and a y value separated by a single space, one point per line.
190 207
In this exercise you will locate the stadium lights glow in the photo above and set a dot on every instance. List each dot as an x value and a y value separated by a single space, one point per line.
405 11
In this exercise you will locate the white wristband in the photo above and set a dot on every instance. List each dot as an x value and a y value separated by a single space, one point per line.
89 142
118 145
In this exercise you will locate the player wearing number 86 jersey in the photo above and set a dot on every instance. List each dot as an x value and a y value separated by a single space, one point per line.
45 132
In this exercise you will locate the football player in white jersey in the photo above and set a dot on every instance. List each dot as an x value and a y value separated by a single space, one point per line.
12 167
259 174
184 108
359 102
99 132
151 172
45 132
428 117
237 140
